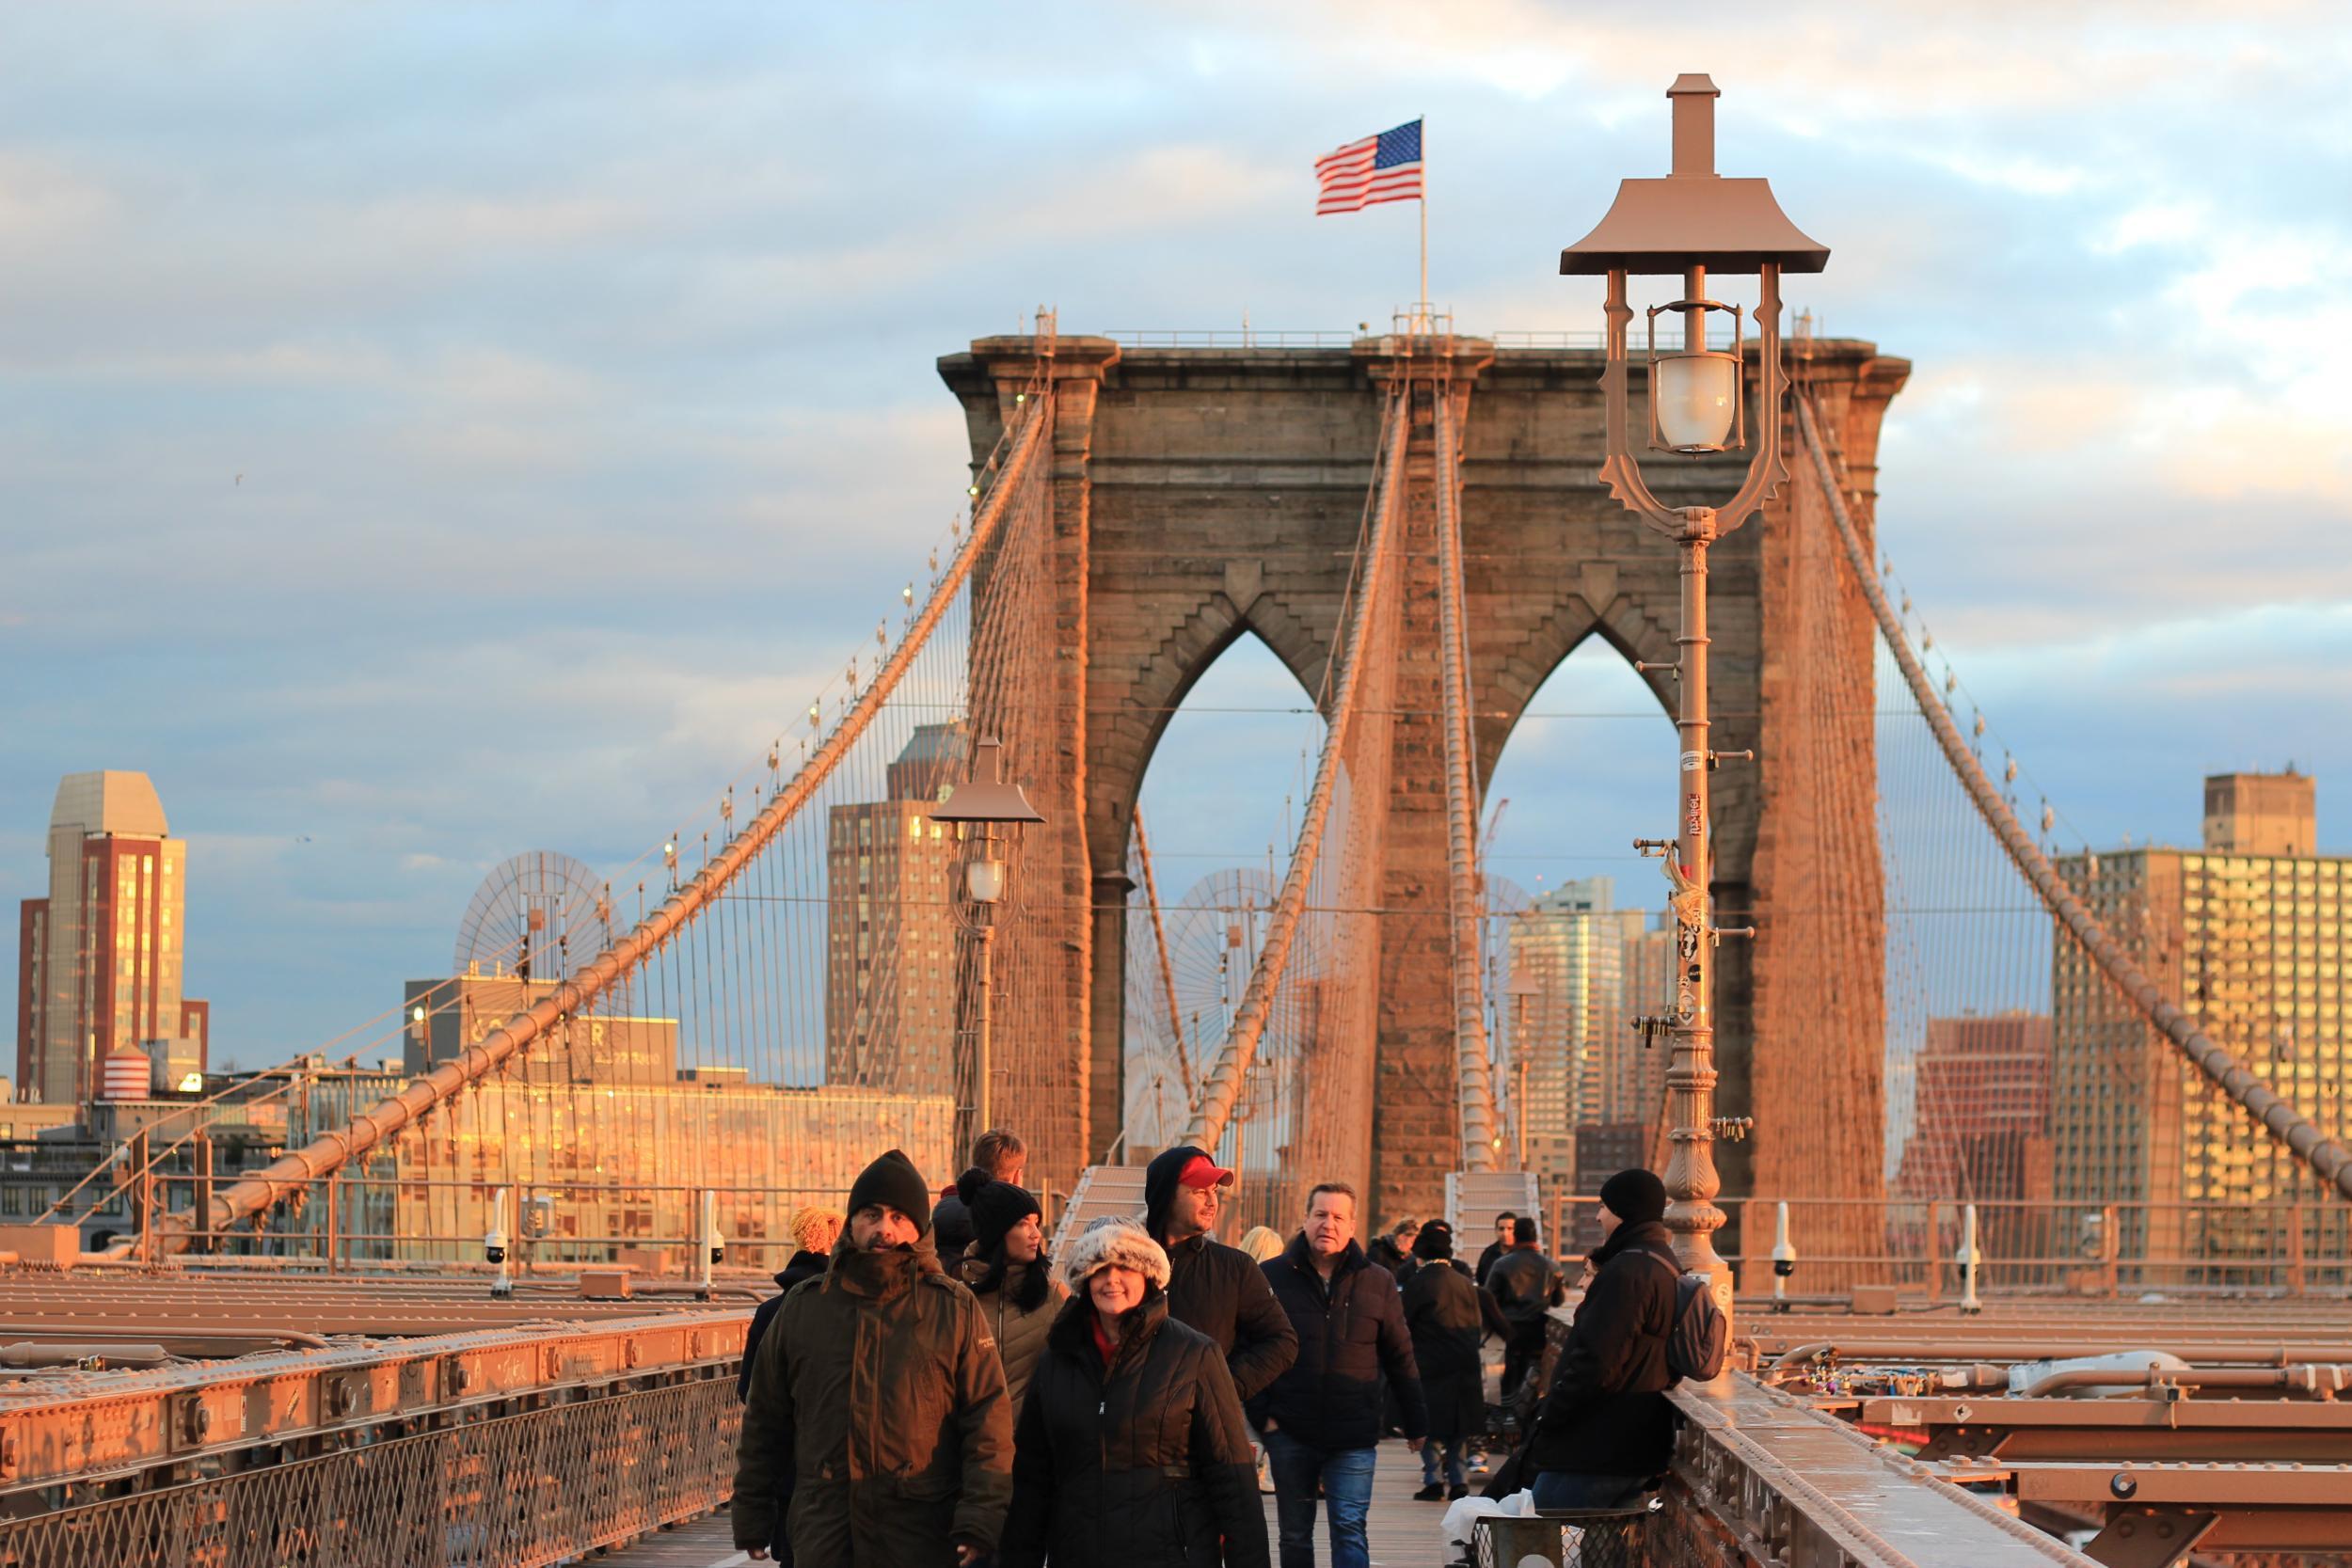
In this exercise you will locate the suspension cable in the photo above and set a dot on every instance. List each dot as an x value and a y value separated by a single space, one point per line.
1474 1089
328 1151
1221 1089
2327 1159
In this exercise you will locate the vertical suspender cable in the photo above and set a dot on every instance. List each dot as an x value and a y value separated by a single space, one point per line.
2327 1159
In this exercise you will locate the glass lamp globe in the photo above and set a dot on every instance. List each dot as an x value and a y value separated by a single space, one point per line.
984 879
1695 398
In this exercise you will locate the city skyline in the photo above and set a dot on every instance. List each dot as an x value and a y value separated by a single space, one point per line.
284 448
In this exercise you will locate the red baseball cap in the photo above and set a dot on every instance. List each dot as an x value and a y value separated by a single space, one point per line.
1204 1172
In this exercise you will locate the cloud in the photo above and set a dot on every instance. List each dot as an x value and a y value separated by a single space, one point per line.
578 366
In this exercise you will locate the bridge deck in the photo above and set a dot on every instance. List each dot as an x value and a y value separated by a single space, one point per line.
1403 1532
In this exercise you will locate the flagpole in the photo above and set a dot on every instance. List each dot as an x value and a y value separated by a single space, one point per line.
1428 324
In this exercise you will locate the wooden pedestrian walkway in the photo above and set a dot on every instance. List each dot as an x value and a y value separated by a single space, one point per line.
1403 1532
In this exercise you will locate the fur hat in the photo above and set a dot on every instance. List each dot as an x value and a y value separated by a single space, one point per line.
1113 1240
1435 1241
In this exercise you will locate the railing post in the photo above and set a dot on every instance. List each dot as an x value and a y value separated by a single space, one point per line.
2295 1249
334 1196
1935 1250
2110 1250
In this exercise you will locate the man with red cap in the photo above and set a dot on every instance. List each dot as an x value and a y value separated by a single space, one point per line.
1213 1288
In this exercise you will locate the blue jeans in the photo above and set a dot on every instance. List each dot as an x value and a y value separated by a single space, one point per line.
1558 1490
1345 1476
1453 1473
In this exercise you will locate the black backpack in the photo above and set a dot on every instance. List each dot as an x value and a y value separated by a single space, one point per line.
1697 1336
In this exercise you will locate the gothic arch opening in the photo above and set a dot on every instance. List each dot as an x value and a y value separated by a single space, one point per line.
1218 802
1574 916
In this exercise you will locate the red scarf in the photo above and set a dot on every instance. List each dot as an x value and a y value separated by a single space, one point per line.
1103 1342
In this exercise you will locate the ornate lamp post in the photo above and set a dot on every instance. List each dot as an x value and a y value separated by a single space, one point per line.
982 808
1688 223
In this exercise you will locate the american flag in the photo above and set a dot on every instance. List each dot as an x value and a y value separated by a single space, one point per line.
1386 168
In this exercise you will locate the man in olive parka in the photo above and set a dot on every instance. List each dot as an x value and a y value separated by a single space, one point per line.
877 1432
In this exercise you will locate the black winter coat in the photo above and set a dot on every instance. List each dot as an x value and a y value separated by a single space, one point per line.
1487 1260
1350 1334
1447 1317
1525 1282
1218 1292
1607 1413
1146 1466
803 1264
1217 1289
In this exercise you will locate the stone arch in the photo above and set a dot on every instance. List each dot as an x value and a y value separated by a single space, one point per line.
1590 605
1130 738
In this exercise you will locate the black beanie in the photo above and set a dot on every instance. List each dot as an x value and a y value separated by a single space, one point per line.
1435 1241
893 1181
996 1207
1635 1196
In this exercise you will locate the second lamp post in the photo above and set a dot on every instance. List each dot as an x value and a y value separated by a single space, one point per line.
982 807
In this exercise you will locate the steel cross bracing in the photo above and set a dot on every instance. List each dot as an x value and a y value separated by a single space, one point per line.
2278 1117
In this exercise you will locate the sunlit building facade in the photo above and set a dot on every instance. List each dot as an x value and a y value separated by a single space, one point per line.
2254 947
100 958
890 932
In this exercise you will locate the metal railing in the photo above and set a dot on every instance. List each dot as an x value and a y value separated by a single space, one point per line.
2081 1249
540 1486
355 1220
1254 337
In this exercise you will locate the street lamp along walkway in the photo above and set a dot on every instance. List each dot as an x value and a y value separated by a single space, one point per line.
1688 223
981 807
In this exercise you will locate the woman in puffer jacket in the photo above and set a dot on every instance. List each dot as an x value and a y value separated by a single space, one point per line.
1006 1267
1130 1450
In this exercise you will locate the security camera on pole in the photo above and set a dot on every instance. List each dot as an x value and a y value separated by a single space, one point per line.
1688 224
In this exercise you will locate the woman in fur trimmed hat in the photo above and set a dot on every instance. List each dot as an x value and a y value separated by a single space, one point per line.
1130 1451
1007 1268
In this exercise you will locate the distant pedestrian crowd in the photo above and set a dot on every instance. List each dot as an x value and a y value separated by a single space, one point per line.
929 1387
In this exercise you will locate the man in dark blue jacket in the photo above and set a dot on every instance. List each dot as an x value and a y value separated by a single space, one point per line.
1322 1417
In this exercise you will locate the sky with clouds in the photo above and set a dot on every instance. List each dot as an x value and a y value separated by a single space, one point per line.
577 363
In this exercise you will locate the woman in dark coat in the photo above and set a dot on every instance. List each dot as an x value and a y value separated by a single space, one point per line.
1448 1315
1130 1451
1007 1270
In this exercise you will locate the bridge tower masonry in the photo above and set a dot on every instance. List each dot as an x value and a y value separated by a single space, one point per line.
1203 494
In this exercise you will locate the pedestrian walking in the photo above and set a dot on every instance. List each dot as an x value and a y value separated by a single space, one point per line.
1322 1417
877 1432
1004 1157
1496 1249
1448 1316
1262 1242
1212 1287
1526 1284
1130 1449
1007 1269
1606 1430
814 1232
1393 1248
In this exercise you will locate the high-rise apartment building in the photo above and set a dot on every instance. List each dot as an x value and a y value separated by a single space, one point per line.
99 960
1636 1077
1568 947
2254 945
890 929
